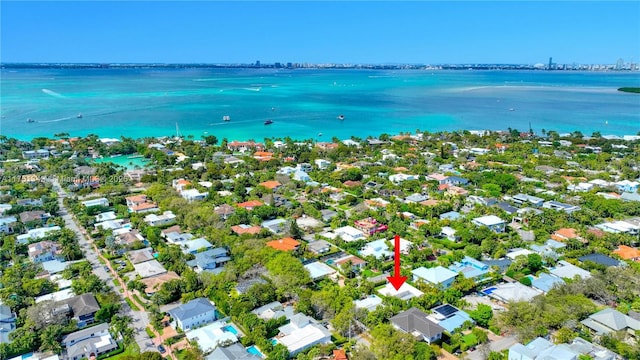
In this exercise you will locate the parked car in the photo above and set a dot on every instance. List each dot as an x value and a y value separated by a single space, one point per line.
161 349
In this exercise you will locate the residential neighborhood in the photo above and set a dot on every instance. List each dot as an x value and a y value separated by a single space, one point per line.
282 249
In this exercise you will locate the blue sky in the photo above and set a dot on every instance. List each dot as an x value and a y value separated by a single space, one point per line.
319 32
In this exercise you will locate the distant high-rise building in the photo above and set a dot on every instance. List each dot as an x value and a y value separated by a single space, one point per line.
257 63
620 64
289 65
550 63
278 65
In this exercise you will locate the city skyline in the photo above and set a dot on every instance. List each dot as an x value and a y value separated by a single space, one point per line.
336 33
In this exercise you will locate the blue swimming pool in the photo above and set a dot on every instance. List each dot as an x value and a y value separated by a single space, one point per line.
489 290
274 342
254 350
230 329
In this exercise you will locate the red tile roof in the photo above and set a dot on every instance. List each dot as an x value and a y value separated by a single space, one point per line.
285 244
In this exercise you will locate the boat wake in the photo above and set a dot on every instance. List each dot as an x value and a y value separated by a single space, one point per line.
253 89
53 93
56 120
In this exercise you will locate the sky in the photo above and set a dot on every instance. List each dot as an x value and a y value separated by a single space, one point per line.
418 32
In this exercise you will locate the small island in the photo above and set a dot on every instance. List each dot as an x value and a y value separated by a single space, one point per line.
635 90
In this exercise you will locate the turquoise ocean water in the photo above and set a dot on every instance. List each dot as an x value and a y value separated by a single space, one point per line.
304 103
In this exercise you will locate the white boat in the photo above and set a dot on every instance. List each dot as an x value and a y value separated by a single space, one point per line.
79 116
341 117
226 118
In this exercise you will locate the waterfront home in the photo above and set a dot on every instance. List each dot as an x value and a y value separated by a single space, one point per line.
439 276
416 323
301 333
166 218
197 312
96 202
493 222
609 321
88 343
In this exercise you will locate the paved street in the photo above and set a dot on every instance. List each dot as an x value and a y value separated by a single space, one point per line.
139 318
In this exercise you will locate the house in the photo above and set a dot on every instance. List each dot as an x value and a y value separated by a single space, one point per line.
416 198
511 292
356 263
456 180
399 178
600 259
213 336
224 211
35 234
106 216
153 284
627 186
566 270
83 307
193 195
38 216
450 318
211 260
370 303
180 184
541 349
7 323
349 233
405 292
555 205
609 320
319 247
250 205
140 256
233 352
564 234
545 282
166 218
448 233
514 253
438 276
322 164
380 249
96 202
470 268
246 229
319 270
301 333
88 343
617 227
273 310
493 222
149 268
284 244
7 224
522 199
627 253
416 323
244 146
369 226
451 215
110 225
300 175
195 245
44 251
626 196
439 178
339 354
30 202
197 312
276 226
140 204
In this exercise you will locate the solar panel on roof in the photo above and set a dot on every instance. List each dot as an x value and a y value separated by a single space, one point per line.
445 310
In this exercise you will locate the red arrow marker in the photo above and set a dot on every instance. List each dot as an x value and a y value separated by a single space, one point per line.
397 280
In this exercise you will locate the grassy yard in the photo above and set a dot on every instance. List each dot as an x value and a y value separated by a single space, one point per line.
470 340
131 349
369 273
133 306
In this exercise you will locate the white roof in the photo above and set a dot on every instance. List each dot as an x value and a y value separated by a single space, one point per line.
305 336
210 336
195 245
56 296
405 292
514 254
448 230
370 303
515 291
319 270
436 275
564 269
489 220
149 268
